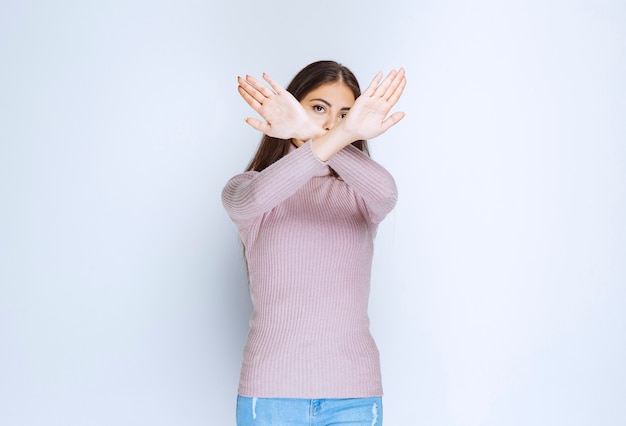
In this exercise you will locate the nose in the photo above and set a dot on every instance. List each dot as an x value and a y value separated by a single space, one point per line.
330 122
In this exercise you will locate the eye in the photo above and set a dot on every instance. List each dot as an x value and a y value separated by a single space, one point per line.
319 108
343 115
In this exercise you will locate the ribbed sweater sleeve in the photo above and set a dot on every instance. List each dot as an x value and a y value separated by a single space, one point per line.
252 193
368 179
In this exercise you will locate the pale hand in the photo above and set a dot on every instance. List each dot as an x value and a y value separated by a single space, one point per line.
368 116
285 118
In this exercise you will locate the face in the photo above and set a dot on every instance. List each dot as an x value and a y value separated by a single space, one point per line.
328 104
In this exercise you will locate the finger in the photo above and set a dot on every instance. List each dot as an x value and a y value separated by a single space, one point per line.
258 125
259 86
277 87
382 87
397 91
250 100
372 87
395 83
251 90
392 120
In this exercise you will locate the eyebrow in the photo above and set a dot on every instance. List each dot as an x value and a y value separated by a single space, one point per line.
328 103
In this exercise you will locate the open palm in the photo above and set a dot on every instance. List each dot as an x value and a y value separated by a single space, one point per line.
368 116
285 117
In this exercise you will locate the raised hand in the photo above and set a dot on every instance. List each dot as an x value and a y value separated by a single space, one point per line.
368 116
285 118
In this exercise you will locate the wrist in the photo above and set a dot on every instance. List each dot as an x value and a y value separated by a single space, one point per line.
309 131
341 135
331 142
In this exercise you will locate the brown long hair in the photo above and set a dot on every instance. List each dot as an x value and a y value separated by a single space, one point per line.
309 78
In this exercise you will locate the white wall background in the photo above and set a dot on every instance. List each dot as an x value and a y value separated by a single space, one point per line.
499 290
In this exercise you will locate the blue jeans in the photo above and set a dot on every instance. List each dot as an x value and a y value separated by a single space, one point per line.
309 412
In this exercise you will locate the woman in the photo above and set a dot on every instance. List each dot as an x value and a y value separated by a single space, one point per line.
307 210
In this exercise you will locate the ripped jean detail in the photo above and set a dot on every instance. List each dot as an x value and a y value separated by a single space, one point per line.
309 412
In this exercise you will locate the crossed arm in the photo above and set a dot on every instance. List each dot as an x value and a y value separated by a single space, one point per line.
285 117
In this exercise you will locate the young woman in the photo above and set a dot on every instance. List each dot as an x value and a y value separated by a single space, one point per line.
307 210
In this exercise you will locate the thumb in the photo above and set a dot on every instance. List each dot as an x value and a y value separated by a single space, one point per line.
393 120
257 124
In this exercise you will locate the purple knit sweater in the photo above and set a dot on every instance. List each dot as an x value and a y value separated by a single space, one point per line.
308 239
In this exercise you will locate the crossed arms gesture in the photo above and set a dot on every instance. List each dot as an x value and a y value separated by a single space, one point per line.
286 118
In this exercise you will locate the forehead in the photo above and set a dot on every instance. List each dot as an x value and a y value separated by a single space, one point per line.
336 93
